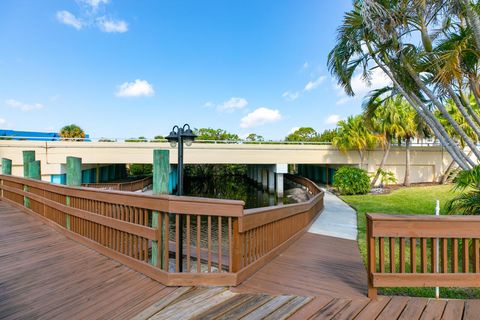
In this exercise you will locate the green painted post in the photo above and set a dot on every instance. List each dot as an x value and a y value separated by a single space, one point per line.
34 170
6 166
161 170
28 156
74 178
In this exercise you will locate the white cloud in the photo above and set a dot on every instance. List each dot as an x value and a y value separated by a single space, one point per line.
232 104
208 104
108 25
333 119
311 85
305 65
260 117
361 88
69 19
95 3
23 106
2 121
136 88
291 96
293 130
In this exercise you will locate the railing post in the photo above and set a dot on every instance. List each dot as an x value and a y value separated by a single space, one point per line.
236 248
161 169
372 291
74 178
6 169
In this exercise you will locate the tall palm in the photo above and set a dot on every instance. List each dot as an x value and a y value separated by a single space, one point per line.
72 131
384 117
353 135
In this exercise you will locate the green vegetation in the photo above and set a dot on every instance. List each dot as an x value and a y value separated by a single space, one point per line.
215 134
136 169
72 132
413 200
468 201
351 180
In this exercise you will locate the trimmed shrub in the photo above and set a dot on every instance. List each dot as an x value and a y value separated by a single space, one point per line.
350 180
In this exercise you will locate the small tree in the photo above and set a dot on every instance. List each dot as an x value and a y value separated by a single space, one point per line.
72 132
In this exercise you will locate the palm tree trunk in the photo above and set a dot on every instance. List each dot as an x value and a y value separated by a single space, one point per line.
447 172
406 180
362 155
473 20
469 107
442 109
427 115
382 164
464 111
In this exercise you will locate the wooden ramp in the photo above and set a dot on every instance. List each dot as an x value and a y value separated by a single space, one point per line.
314 265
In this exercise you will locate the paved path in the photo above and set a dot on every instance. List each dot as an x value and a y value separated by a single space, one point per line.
337 219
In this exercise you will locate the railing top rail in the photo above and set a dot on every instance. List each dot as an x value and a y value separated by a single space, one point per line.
420 217
164 203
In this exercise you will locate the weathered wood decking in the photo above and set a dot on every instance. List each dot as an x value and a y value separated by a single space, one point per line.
44 275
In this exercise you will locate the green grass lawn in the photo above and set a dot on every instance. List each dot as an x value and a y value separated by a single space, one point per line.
413 200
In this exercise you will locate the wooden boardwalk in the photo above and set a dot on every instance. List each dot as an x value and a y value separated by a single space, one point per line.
44 275
314 265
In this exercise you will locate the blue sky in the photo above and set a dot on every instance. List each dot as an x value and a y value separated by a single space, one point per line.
136 68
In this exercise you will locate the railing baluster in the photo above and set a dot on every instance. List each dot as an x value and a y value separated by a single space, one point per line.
392 255
199 244
476 256
402 255
413 255
454 255
424 255
434 255
465 256
230 245
209 231
444 253
177 242
166 244
381 253
219 240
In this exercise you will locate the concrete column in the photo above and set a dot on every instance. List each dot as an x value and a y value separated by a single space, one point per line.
74 179
271 181
34 170
279 184
264 178
28 156
161 172
6 166
74 171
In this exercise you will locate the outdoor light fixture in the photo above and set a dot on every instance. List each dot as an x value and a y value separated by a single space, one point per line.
179 136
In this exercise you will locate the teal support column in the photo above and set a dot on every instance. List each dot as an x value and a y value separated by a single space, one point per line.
74 179
316 173
331 174
161 172
323 174
6 166
28 156
34 170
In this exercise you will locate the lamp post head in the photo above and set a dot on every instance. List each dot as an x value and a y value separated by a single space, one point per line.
172 138
188 136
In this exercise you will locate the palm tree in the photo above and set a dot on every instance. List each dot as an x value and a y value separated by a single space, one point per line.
352 134
384 117
72 132
382 34
466 202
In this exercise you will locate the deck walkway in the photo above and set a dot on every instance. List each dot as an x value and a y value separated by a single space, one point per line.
44 275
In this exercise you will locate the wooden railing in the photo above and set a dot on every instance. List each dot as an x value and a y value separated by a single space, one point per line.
422 251
134 185
223 244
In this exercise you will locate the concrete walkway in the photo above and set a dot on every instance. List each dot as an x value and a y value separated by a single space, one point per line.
337 220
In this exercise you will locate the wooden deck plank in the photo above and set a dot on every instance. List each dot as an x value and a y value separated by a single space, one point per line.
454 310
352 309
472 309
268 308
373 309
433 310
285 311
247 307
394 308
331 309
413 309
164 302
222 308
311 308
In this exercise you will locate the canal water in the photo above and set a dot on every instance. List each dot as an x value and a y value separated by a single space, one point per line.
233 187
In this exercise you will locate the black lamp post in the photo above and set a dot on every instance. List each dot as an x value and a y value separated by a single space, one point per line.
180 135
